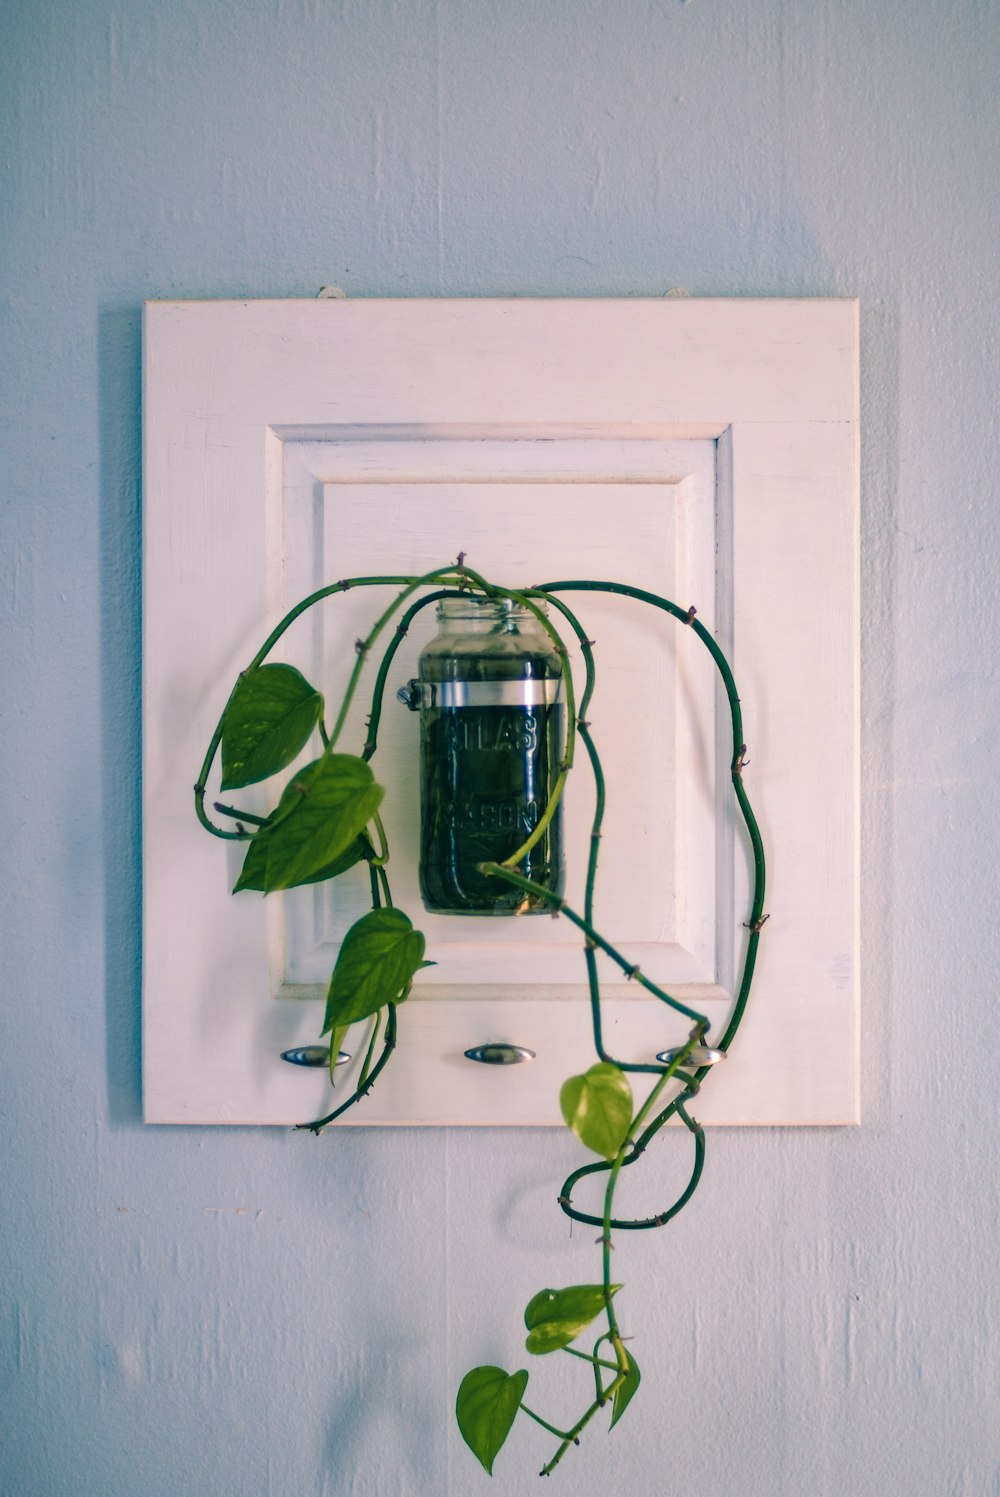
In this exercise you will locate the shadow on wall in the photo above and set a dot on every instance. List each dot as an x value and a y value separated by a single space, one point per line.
119 345
410 1419
880 375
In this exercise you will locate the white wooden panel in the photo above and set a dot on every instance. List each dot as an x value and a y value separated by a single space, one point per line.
240 399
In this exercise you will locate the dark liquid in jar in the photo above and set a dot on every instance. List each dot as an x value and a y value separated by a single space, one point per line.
486 774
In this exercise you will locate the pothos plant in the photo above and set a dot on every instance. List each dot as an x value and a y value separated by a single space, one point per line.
326 821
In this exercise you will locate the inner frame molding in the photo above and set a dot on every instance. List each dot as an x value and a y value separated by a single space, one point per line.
353 506
739 419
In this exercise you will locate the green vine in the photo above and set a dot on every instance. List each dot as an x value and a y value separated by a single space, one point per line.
327 820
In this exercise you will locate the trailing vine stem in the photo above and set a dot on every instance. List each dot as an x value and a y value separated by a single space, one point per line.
636 1150
330 590
754 923
466 577
650 1117
594 938
633 1147
369 1074
361 1091
613 1333
462 578
756 918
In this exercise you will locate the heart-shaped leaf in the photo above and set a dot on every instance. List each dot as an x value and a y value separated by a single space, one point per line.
380 954
336 798
270 716
598 1108
623 1396
254 871
486 1407
555 1317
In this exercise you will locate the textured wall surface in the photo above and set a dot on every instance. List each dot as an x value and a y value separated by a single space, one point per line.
247 1311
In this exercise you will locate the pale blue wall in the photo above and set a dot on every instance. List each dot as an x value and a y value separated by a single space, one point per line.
203 1311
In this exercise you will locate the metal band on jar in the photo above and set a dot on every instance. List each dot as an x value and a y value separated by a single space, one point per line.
524 693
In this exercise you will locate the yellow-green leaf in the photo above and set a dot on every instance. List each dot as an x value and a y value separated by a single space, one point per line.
555 1317
598 1108
625 1393
486 1407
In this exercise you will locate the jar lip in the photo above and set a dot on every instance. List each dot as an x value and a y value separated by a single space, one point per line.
474 606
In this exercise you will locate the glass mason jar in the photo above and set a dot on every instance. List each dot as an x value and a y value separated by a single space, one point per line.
489 694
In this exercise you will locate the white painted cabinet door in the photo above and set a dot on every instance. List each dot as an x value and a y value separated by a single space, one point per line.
703 450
